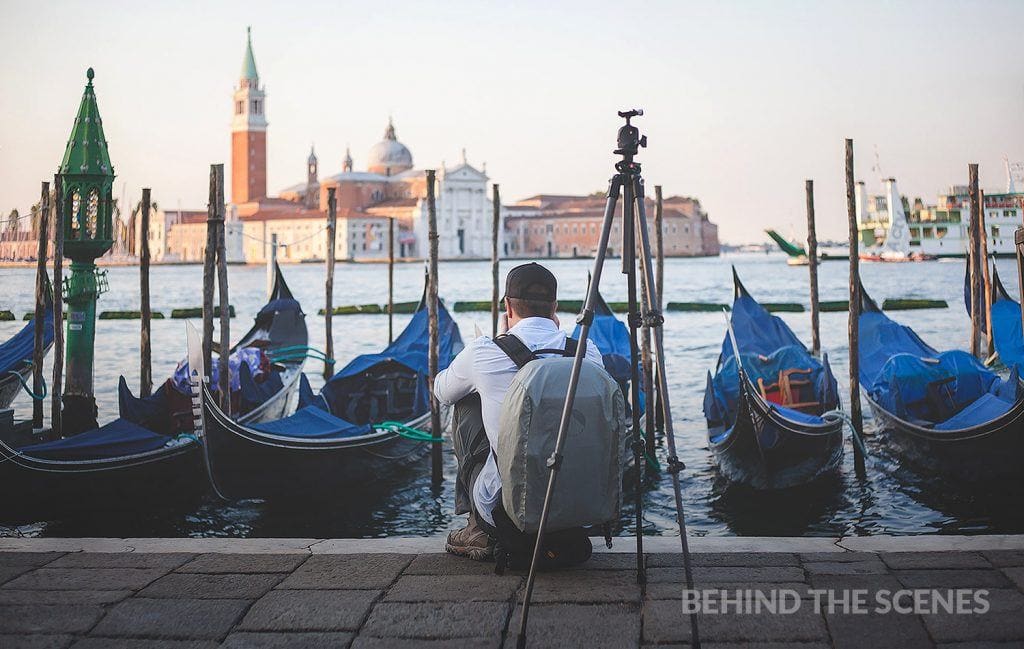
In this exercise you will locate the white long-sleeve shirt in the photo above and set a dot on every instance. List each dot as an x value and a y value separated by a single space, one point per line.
482 367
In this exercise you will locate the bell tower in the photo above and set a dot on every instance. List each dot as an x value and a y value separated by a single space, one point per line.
249 133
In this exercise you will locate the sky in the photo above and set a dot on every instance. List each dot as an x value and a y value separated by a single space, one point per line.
743 101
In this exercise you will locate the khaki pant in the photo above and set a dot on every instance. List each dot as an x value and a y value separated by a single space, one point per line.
471 447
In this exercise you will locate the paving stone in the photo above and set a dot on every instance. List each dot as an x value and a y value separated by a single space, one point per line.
243 563
168 560
7 573
351 571
1016 575
874 567
871 583
10 596
587 587
50 618
746 645
557 626
838 557
287 640
952 578
138 643
447 564
406 643
86 578
664 621
607 561
1003 558
974 645
202 619
727 574
1004 627
933 560
304 610
734 559
668 590
203 586
1001 600
444 620
35 641
878 631
454 588
28 558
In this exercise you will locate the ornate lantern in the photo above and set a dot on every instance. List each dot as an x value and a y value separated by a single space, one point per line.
86 178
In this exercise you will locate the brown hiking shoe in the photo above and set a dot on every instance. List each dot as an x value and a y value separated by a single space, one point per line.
471 541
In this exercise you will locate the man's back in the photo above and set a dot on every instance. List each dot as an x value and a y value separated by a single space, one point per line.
482 367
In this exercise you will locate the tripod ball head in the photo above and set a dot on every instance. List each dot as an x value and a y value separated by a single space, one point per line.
629 139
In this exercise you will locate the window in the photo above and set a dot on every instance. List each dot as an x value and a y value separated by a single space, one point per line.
239 106
995 231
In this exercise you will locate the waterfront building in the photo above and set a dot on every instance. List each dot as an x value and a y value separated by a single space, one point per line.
551 225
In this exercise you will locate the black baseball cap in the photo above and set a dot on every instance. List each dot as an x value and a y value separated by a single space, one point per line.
531 282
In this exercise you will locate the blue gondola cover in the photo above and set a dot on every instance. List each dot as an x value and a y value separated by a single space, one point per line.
116 439
17 350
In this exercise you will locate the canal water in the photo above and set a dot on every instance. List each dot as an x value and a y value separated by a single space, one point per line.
891 499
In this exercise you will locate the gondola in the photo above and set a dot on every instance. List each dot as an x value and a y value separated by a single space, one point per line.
940 411
16 353
1006 322
359 428
150 452
768 416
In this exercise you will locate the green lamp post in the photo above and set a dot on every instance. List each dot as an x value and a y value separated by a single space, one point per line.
87 179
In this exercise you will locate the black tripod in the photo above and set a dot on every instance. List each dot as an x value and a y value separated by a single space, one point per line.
626 181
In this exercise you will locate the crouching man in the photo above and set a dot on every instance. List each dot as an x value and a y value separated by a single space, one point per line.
478 383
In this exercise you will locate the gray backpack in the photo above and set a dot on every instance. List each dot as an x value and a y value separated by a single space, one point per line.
589 486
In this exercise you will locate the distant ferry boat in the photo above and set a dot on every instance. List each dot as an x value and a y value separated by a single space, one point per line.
940 230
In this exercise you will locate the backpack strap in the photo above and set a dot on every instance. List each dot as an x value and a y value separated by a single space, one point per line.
521 354
515 349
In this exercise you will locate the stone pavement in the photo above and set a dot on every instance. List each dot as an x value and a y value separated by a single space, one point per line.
183 599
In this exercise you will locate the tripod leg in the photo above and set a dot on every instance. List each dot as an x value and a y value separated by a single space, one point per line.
629 269
585 320
650 390
655 322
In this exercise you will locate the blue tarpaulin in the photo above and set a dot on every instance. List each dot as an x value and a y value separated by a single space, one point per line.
908 378
767 347
312 422
117 439
17 350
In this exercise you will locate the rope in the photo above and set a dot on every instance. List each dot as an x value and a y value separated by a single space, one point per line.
407 432
24 384
299 352
839 414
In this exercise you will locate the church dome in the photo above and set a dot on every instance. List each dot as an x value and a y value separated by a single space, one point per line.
389 156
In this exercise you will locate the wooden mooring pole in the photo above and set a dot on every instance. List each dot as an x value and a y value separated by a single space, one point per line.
332 222
495 231
38 331
812 267
856 417
224 357
986 276
271 264
209 273
436 472
974 255
659 285
145 341
391 280
1018 239
57 383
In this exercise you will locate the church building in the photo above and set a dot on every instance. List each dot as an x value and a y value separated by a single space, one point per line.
387 188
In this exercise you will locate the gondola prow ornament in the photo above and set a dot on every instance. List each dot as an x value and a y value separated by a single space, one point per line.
87 178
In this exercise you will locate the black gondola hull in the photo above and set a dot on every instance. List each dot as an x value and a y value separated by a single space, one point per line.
764 450
40 490
247 463
992 450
